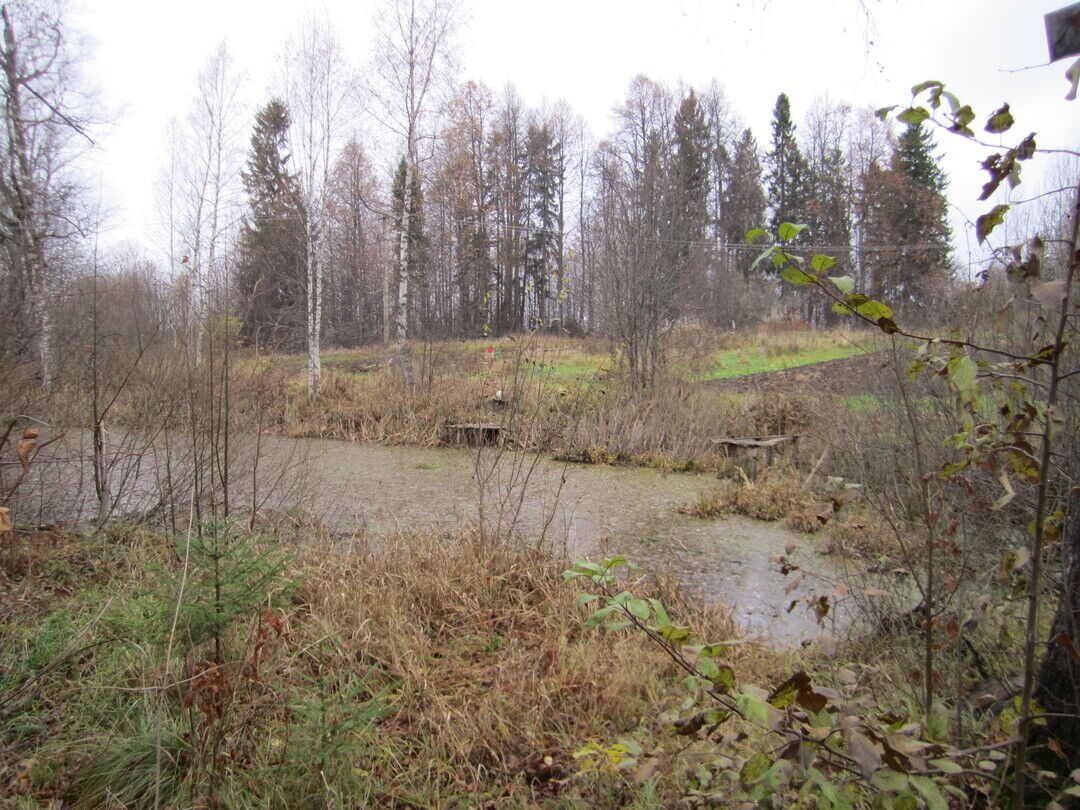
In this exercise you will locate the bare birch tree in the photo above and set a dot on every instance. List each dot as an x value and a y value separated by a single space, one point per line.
42 133
202 200
414 38
316 90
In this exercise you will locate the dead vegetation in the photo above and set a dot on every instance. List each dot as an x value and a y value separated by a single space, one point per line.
402 674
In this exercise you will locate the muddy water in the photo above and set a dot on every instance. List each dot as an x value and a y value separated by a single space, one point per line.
579 510
586 510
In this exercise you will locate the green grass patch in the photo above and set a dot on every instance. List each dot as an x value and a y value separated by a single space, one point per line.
741 362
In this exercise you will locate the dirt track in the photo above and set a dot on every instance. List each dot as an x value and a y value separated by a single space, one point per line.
849 375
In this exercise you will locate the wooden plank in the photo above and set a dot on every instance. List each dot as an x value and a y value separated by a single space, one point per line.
475 433
758 441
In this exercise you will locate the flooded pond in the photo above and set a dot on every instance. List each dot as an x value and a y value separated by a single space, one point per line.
579 510
586 510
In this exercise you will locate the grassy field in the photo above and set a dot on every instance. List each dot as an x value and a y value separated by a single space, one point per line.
741 362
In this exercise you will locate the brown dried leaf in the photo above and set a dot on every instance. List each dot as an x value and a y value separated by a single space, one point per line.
1049 293
25 448
863 752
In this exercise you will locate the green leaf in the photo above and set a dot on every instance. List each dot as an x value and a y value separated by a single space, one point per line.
889 780
987 222
586 567
660 614
822 263
585 597
961 372
914 115
873 310
598 616
754 233
716 716
614 562
946 766
962 117
769 251
638 608
930 791
724 679
753 708
1000 121
784 695
843 283
797 276
707 667
675 633
883 112
753 769
787 231
921 86
714 649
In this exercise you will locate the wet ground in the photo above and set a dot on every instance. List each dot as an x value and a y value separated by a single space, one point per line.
585 509
579 510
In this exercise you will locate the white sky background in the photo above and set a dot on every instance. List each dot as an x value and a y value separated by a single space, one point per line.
147 54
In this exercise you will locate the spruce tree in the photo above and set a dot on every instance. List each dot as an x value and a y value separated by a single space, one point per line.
542 160
915 158
744 197
787 171
690 197
921 217
270 274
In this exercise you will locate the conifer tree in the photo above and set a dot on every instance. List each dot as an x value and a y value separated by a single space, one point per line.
787 171
744 197
270 275
542 177
921 218
690 196
915 158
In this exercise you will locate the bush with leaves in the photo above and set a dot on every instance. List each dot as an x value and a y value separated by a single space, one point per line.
1022 439
799 743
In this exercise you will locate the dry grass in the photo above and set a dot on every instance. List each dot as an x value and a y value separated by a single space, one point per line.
480 680
774 495
565 395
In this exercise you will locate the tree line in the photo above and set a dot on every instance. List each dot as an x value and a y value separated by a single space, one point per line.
468 213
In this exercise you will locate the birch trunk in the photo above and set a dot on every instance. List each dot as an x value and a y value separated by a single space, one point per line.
402 320
314 317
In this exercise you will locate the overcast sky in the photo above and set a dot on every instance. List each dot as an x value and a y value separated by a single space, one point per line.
147 53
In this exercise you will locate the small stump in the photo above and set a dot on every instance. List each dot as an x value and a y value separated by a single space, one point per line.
474 434
754 447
